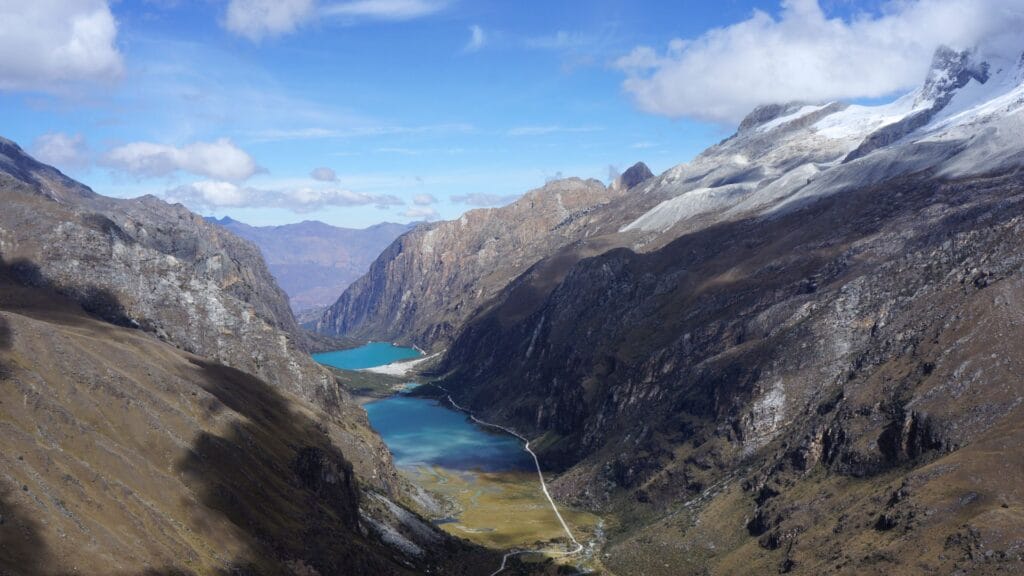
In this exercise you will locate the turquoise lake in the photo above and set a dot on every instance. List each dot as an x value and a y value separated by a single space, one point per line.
368 356
422 432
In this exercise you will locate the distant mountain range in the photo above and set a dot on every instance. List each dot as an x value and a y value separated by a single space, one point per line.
314 262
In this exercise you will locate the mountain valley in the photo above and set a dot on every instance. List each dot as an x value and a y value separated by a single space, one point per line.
793 347
807 331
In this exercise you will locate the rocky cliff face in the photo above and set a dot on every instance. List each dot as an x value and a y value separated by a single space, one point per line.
428 282
314 262
161 268
798 361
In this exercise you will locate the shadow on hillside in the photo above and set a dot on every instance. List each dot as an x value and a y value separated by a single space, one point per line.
22 549
280 481
95 300
274 474
6 341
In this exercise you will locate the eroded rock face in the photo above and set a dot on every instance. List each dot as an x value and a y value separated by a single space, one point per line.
159 267
866 334
429 281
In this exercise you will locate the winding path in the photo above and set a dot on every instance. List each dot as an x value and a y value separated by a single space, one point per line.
540 475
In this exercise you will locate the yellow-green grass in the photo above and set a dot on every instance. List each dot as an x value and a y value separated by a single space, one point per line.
505 510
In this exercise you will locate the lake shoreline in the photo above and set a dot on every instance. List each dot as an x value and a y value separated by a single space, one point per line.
486 474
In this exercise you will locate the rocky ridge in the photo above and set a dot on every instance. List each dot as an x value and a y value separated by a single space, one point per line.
424 286
147 264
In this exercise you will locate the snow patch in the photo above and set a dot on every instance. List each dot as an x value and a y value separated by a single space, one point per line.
804 111
688 205
859 121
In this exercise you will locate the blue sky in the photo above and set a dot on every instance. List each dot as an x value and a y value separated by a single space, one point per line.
410 109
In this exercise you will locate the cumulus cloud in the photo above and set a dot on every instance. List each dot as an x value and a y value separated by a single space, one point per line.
324 175
421 213
424 199
385 9
47 44
209 194
805 55
221 160
484 199
477 39
258 19
61 150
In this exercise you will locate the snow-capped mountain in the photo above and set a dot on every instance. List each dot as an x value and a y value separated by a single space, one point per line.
966 119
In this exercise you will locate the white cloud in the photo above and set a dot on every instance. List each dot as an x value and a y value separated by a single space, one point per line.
421 213
220 159
484 199
804 55
208 195
550 129
385 9
258 19
47 44
477 38
61 150
424 199
324 175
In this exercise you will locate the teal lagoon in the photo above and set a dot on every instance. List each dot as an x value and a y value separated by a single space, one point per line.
368 356
422 432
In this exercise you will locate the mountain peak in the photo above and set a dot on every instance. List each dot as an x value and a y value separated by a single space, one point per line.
636 174
225 221
43 179
950 71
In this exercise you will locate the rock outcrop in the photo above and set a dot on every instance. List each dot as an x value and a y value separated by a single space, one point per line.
158 267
